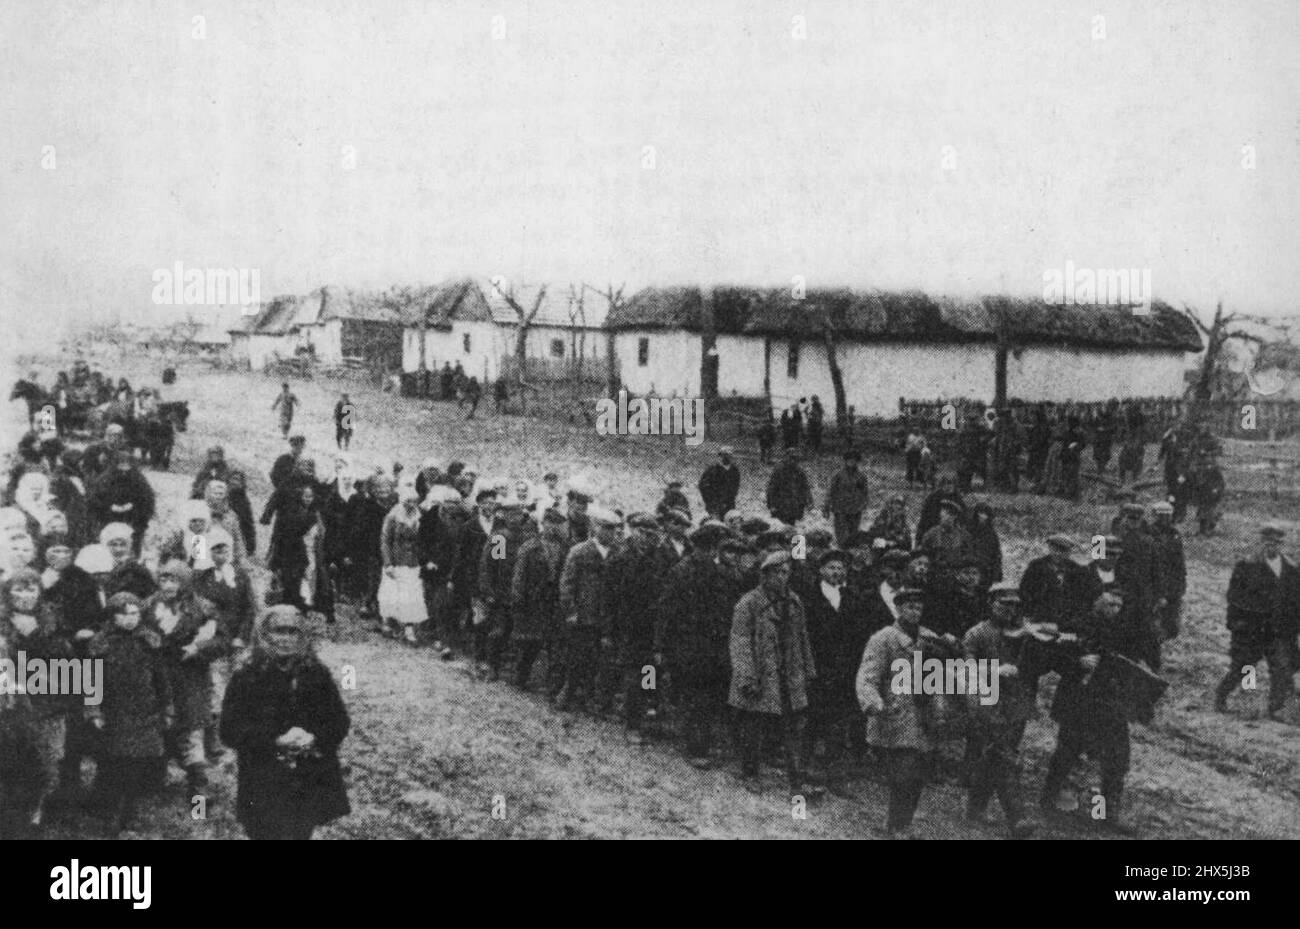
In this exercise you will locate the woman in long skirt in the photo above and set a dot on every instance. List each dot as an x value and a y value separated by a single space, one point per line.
285 718
401 592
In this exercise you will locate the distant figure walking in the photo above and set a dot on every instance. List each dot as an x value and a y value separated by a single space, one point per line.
343 414
286 402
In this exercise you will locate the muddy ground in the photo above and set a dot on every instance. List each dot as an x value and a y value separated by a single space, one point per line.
435 751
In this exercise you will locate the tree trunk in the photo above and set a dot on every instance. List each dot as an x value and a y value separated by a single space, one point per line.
837 376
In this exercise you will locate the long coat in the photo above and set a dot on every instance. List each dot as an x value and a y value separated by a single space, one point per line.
1261 602
263 702
634 579
903 722
693 627
582 586
121 497
719 485
766 660
788 494
535 587
838 638
189 679
848 492
137 694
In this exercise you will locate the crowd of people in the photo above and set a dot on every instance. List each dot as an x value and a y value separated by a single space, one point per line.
744 635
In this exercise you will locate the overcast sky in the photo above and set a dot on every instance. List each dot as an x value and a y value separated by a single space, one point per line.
959 147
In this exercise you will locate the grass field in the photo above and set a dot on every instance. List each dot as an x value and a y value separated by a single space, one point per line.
433 749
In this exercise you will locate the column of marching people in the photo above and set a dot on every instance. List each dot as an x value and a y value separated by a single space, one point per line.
765 634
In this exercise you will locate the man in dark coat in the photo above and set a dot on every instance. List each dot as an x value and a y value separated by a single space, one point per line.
837 630
1168 545
1092 721
496 571
535 593
634 577
214 468
1207 493
123 495
788 492
972 451
692 631
1055 588
1137 570
720 484
955 601
879 606
287 464
847 497
437 543
1263 619
585 606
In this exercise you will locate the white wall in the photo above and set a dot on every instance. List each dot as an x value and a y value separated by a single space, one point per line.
740 366
1047 372
538 345
877 374
326 339
441 346
263 349
673 366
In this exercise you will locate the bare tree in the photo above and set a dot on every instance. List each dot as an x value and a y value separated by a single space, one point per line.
1223 328
614 297
525 321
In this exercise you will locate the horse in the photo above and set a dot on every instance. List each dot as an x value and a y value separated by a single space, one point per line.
33 395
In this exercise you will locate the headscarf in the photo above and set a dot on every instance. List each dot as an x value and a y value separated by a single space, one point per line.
259 652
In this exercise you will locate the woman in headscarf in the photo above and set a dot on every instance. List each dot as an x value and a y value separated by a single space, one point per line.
285 718
401 591
334 509
296 555
192 638
891 525
32 496
32 626
185 543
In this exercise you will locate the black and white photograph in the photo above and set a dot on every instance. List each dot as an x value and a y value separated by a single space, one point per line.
804 419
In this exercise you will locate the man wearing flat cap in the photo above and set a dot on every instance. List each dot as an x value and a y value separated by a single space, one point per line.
1138 570
1055 588
950 542
584 604
674 499
1167 542
535 598
720 484
993 741
1263 621
837 631
898 722
847 497
692 637
634 578
771 667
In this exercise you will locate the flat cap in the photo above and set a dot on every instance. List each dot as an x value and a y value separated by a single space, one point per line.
775 559
642 521
1133 509
1005 593
1163 506
1061 542
677 515
709 535
1272 531
604 516
833 554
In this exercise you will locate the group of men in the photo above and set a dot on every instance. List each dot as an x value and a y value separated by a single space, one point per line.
734 623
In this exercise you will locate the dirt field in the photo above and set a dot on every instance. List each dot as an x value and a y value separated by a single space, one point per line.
433 748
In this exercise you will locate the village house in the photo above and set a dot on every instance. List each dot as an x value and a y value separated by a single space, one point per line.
448 323
566 334
275 332
352 325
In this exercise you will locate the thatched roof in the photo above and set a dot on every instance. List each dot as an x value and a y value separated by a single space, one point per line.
557 303
341 303
911 316
439 304
278 316
680 308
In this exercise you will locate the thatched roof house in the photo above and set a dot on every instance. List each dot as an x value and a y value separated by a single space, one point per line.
894 345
